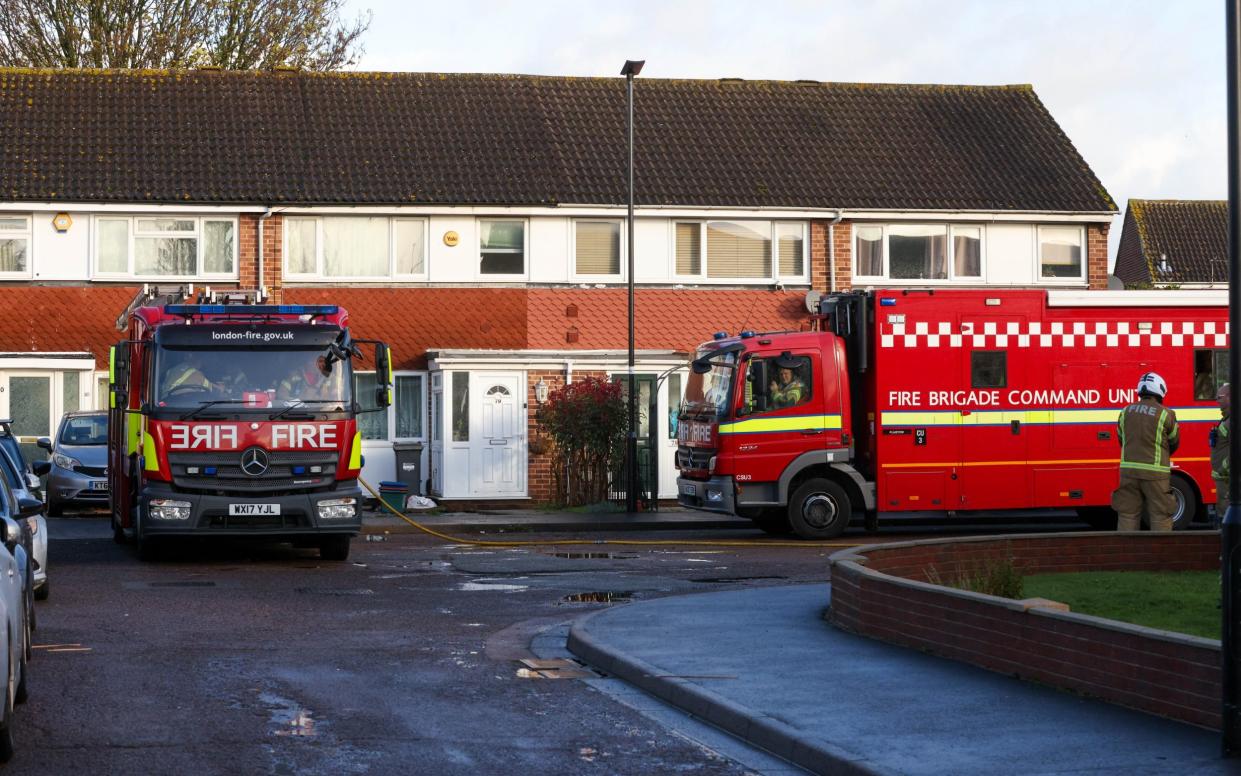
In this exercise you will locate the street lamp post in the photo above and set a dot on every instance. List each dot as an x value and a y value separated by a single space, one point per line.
1230 535
631 68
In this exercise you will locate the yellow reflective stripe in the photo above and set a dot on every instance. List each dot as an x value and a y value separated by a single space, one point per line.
1146 467
133 424
150 459
1028 417
1163 415
355 452
793 423
1057 462
112 364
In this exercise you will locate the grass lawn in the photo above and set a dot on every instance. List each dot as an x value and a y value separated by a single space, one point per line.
1181 601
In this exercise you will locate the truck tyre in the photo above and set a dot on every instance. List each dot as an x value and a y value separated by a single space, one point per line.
819 509
148 547
334 548
1186 504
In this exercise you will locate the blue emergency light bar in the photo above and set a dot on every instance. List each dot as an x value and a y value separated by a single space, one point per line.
251 309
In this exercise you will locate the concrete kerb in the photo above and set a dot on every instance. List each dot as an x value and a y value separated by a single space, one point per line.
750 726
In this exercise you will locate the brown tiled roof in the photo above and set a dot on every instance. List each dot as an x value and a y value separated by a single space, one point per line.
1168 241
403 138
62 319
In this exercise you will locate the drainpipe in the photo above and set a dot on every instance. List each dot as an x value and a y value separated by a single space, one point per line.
831 251
267 213
568 371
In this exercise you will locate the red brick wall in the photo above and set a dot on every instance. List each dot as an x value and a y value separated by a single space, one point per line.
881 592
1096 255
273 254
541 483
843 259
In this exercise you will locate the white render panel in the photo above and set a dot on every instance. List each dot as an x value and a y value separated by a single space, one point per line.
456 264
652 249
1010 255
550 249
61 255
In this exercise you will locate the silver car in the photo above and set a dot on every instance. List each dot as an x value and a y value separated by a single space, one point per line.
79 471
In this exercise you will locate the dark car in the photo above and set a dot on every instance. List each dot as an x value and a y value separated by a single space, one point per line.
79 473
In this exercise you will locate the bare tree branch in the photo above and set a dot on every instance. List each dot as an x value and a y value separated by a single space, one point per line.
232 34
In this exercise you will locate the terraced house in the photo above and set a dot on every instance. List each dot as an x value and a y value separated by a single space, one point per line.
475 222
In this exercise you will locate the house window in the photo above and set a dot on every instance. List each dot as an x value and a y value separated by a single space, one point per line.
410 406
165 247
869 252
460 406
597 248
967 251
918 252
741 250
14 244
1060 253
354 247
502 247
674 403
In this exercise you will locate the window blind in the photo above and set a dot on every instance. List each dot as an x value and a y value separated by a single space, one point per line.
598 248
792 262
738 250
689 249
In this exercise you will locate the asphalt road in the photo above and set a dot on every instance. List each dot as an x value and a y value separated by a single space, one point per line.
242 658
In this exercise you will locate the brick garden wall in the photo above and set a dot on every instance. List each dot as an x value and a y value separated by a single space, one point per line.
882 592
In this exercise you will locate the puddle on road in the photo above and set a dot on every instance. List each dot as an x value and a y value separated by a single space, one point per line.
494 587
726 580
335 591
289 718
593 555
600 597
181 584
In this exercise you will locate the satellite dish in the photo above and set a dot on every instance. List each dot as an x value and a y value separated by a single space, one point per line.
812 301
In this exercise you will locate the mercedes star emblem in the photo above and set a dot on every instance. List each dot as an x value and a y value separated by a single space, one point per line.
254 461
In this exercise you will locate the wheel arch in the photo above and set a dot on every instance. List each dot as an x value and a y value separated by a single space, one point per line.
819 464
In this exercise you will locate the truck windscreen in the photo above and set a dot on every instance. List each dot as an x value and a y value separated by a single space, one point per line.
709 392
246 378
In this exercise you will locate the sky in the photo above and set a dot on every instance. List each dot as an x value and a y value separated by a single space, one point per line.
1138 86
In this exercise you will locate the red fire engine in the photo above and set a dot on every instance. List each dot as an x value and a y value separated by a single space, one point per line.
236 420
946 401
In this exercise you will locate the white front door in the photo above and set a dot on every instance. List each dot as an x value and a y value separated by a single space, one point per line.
498 445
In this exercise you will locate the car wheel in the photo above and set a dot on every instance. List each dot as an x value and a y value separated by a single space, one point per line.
54 508
334 548
819 509
41 593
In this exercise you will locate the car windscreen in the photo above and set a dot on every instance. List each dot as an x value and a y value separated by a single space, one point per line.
9 468
84 430
249 378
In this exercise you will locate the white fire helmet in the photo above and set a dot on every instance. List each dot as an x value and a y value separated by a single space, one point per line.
1152 383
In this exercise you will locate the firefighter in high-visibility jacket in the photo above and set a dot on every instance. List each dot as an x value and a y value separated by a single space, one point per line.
1148 436
1220 464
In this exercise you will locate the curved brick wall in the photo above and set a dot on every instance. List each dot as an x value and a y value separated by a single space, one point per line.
882 591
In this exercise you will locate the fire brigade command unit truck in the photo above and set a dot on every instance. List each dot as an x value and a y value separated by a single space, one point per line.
237 420
946 401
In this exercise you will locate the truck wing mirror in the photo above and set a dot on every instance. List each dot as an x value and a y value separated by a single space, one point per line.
700 366
383 374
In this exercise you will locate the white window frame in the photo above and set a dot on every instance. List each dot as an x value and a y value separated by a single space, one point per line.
704 257
319 275
28 235
1038 256
426 398
525 251
624 253
952 279
198 234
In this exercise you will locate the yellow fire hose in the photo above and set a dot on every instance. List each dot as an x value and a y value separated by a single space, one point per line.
622 542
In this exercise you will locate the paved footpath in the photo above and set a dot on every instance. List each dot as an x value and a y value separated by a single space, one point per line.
764 665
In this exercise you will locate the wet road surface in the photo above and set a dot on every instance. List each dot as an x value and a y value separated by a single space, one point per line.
226 658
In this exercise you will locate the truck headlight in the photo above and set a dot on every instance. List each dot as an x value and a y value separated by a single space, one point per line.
168 509
337 508
715 495
65 462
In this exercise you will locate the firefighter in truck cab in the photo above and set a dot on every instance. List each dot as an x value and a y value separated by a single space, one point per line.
1148 436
